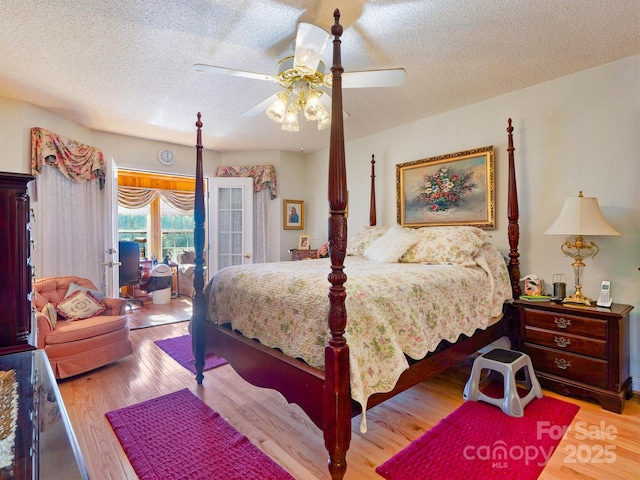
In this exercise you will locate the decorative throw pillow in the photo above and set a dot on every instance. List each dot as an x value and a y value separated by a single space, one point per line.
357 244
74 287
391 246
80 304
456 244
50 311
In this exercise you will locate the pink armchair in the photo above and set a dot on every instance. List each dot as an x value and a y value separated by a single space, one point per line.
78 346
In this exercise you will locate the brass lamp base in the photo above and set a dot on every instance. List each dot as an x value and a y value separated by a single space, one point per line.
578 298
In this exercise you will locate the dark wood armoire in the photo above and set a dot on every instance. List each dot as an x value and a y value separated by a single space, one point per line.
16 326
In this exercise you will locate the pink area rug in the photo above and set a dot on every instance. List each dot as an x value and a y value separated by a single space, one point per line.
179 348
177 436
478 441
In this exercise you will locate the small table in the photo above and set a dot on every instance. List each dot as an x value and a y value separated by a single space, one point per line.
44 446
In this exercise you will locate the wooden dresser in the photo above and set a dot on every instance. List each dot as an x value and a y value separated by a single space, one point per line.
579 350
303 254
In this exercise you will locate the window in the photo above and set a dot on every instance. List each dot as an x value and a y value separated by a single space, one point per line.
161 228
133 225
177 230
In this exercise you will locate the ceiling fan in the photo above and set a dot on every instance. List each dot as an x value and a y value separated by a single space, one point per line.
302 77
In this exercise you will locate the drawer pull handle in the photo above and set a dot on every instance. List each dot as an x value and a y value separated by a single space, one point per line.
562 322
562 364
562 342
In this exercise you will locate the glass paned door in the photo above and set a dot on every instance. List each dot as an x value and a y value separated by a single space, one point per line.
233 201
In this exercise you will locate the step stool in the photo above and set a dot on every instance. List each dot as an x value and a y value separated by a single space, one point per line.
508 363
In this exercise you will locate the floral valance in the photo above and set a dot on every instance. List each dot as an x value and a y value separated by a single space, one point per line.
135 197
264 176
76 161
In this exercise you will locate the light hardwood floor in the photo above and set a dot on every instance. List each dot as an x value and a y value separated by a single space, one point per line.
286 434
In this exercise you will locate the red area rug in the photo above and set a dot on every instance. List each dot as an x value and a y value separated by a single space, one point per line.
179 348
478 441
177 436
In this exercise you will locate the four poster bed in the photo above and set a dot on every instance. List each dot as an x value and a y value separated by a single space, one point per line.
336 371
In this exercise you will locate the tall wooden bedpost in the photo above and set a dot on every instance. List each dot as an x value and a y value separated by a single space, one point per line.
337 392
372 202
199 305
514 215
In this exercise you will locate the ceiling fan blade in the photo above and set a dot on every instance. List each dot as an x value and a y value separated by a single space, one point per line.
234 73
311 42
326 101
261 107
394 77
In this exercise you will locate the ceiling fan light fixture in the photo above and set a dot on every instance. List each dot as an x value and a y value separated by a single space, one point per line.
278 109
290 123
313 109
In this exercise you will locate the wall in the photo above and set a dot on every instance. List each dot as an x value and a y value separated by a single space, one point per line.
579 132
17 118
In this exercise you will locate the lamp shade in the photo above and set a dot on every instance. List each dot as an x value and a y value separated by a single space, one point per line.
581 216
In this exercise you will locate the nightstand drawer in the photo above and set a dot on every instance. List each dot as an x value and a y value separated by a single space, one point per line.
590 327
567 342
568 365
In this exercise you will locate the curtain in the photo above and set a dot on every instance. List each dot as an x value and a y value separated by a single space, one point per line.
68 227
264 187
136 197
68 207
264 176
76 161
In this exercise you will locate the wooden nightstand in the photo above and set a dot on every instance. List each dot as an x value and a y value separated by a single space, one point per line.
579 350
303 254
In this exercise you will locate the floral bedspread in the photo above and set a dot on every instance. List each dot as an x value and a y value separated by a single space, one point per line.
393 309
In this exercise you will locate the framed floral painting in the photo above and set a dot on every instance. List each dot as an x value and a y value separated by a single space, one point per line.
453 189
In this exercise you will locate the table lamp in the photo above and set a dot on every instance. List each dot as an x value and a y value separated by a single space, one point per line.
580 216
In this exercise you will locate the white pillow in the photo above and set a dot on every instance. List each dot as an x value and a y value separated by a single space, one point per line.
74 287
391 246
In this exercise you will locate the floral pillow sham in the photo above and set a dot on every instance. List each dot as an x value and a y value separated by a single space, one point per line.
459 245
357 244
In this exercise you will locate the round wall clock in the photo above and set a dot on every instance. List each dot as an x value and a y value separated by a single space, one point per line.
166 156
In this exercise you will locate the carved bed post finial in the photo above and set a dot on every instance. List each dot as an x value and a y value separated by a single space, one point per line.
199 313
514 215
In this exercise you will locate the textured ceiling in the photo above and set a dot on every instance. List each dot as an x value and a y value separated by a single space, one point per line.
125 66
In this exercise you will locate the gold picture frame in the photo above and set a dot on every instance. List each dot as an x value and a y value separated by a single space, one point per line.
304 242
453 189
293 214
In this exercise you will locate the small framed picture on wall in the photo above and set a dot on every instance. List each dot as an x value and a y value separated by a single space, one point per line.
293 214
304 242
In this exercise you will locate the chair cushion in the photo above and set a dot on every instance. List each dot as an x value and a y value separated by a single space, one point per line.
79 305
73 331
186 268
